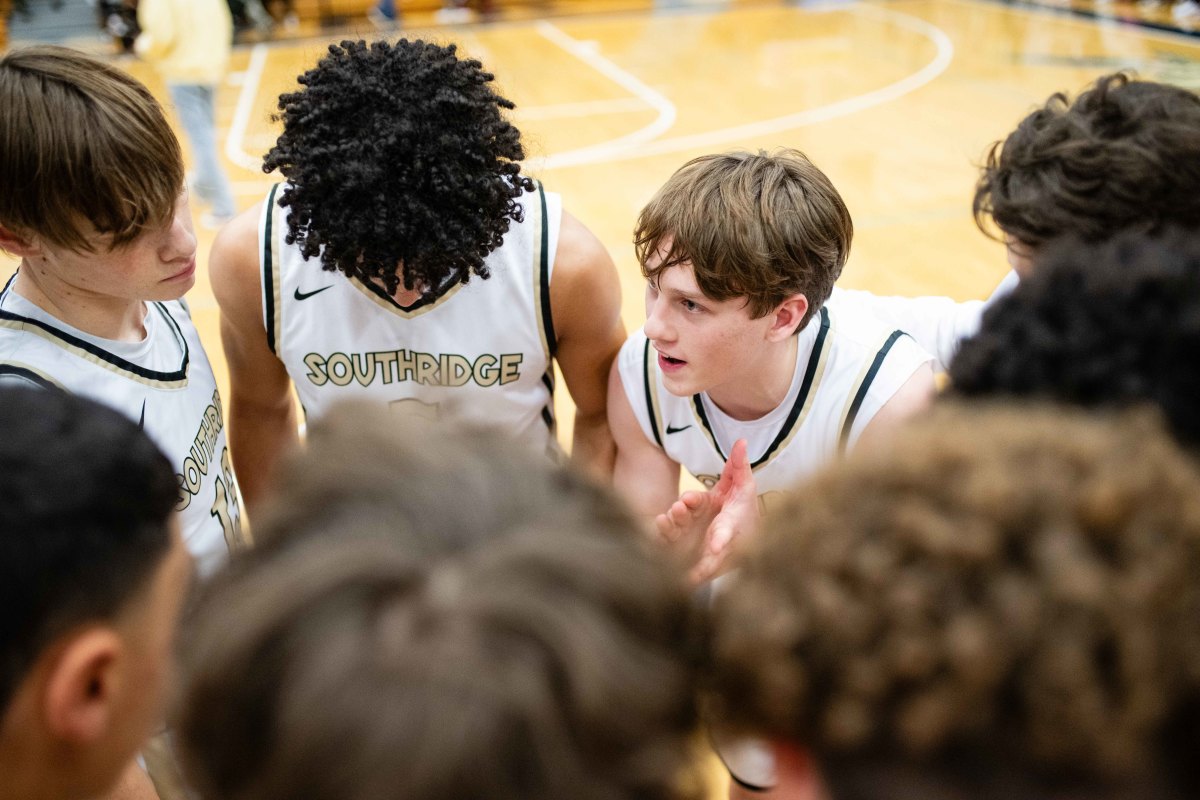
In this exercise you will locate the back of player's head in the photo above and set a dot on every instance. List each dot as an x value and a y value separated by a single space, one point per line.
535 655
84 151
1001 604
84 501
1098 325
754 225
1125 155
372 471
398 154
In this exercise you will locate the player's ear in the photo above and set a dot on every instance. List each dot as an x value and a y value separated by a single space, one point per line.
82 684
17 245
787 317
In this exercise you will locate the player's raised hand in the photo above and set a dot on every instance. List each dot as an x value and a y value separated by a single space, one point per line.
703 526
737 516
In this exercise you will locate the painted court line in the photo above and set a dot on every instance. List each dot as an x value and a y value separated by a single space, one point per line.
645 141
628 148
234 149
586 108
626 80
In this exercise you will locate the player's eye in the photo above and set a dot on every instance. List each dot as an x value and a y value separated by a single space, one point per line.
691 305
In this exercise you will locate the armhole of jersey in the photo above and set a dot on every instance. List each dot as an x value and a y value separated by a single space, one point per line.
27 374
270 272
648 384
542 265
864 385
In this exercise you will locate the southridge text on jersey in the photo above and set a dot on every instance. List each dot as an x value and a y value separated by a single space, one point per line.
391 366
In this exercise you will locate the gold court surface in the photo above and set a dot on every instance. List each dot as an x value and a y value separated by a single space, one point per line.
896 101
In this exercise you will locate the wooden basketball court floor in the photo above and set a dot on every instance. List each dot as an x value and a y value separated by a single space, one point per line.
896 101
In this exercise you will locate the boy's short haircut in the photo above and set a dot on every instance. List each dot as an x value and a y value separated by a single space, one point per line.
85 498
1107 325
1125 155
398 153
535 654
84 150
1002 604
753 225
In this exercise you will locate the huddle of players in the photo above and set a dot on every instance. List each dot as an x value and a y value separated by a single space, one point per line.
1006 608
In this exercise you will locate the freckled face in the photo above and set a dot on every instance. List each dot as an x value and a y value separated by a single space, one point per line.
160 264
703 345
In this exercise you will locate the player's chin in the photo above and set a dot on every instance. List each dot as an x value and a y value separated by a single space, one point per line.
172 291
176 286
680 385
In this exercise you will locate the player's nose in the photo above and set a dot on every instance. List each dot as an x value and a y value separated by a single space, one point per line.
181 239
657 327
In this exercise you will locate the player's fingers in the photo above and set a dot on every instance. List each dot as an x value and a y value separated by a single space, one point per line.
738 454
706 568
665 529
719 538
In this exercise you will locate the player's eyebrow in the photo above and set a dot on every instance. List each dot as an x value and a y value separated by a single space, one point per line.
696 296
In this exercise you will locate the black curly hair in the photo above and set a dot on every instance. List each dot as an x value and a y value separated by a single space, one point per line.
1125 155
398 154
1100 325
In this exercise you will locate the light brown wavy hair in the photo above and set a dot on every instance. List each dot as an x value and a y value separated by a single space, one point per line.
481 624
1004 603
757 226
84 150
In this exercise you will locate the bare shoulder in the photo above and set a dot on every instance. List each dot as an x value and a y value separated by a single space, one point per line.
584 272
643 473
233 264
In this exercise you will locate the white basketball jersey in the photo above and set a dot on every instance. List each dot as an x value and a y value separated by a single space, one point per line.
843 376
481 351
164 382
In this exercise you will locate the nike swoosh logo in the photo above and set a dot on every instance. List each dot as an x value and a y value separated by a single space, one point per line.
677 430
142 419
299 295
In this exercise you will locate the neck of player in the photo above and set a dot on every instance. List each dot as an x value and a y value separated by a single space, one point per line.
762 386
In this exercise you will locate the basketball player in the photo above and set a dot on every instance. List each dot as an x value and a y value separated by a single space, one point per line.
1108 325
93 575
1125 155
740 252
102 228
392 640
1001 603
407 260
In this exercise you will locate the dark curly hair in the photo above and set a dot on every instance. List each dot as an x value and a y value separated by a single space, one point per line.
1108 325
398 154
1003 603
1125 155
